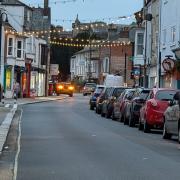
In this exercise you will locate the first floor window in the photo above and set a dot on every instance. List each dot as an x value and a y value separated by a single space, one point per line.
10 46
140 40
19 49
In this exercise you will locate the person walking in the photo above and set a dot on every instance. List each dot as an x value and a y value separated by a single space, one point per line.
16 89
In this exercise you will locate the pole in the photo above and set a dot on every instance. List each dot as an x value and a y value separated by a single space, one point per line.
145 56
159 71
1 83
125 69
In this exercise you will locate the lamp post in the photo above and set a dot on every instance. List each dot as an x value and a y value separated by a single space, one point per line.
1 54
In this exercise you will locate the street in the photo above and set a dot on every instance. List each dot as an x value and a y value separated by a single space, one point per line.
64 140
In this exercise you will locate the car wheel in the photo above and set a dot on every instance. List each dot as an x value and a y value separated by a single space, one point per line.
179 135
71 95
146 127
91 107
113 116
102 114
131 120
166 135
140 126
84 94
125 120
107 115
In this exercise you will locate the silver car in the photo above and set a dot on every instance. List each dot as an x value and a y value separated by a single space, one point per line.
172 121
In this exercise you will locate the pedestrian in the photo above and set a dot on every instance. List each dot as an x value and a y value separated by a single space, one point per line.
177 97
16 89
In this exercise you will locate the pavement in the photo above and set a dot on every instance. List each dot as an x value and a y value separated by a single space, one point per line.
8 109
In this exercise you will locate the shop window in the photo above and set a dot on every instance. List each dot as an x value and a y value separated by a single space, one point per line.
19 49
8 79
10 46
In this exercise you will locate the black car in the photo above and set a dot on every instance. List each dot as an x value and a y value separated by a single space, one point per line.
95 95
101 98
107 107
135 105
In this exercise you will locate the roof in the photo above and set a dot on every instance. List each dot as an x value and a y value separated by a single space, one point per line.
17 3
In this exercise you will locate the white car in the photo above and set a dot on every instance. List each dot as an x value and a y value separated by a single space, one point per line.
172 121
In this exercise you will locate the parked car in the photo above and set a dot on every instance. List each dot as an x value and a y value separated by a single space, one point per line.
133 106
119 104
172 119
152 113
101 98
107 107
93 98
64 88
88 88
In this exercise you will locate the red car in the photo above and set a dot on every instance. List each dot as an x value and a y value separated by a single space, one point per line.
151 114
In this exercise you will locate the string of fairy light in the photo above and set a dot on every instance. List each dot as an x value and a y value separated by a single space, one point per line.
91 45
57 2
76 42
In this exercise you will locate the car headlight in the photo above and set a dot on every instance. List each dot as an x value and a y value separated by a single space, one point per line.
60 87
71 88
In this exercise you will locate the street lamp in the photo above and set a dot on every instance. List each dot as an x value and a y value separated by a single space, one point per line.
1 45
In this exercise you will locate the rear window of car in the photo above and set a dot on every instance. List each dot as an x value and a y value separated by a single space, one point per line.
118 91
90 85
144 94
99 90
165 95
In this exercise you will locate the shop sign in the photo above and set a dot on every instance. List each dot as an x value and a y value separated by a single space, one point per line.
54 69
168 64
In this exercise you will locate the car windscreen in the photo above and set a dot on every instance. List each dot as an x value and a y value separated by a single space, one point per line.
117 92
144 94
165 95
98 90
90 85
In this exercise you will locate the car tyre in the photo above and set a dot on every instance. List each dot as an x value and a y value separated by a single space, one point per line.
179 134
113 116
131 121
71 95
91 107
146 127
140 126
102 114
125 120
166 135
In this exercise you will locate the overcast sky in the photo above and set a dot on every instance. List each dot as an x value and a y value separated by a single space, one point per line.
90 10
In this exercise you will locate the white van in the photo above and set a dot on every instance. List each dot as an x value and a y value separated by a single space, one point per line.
112 80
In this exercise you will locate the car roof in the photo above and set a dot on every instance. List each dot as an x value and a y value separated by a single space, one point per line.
155 90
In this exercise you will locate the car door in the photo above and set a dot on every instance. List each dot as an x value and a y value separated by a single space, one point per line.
172 116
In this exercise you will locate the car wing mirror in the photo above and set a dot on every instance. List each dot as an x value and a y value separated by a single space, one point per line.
172 102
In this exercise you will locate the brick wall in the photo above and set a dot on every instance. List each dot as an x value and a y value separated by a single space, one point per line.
117 60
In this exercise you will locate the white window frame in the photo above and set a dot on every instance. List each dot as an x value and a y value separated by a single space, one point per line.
8 46
164 33
138 44
17 49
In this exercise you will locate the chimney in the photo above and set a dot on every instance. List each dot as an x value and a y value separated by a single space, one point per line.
46 4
